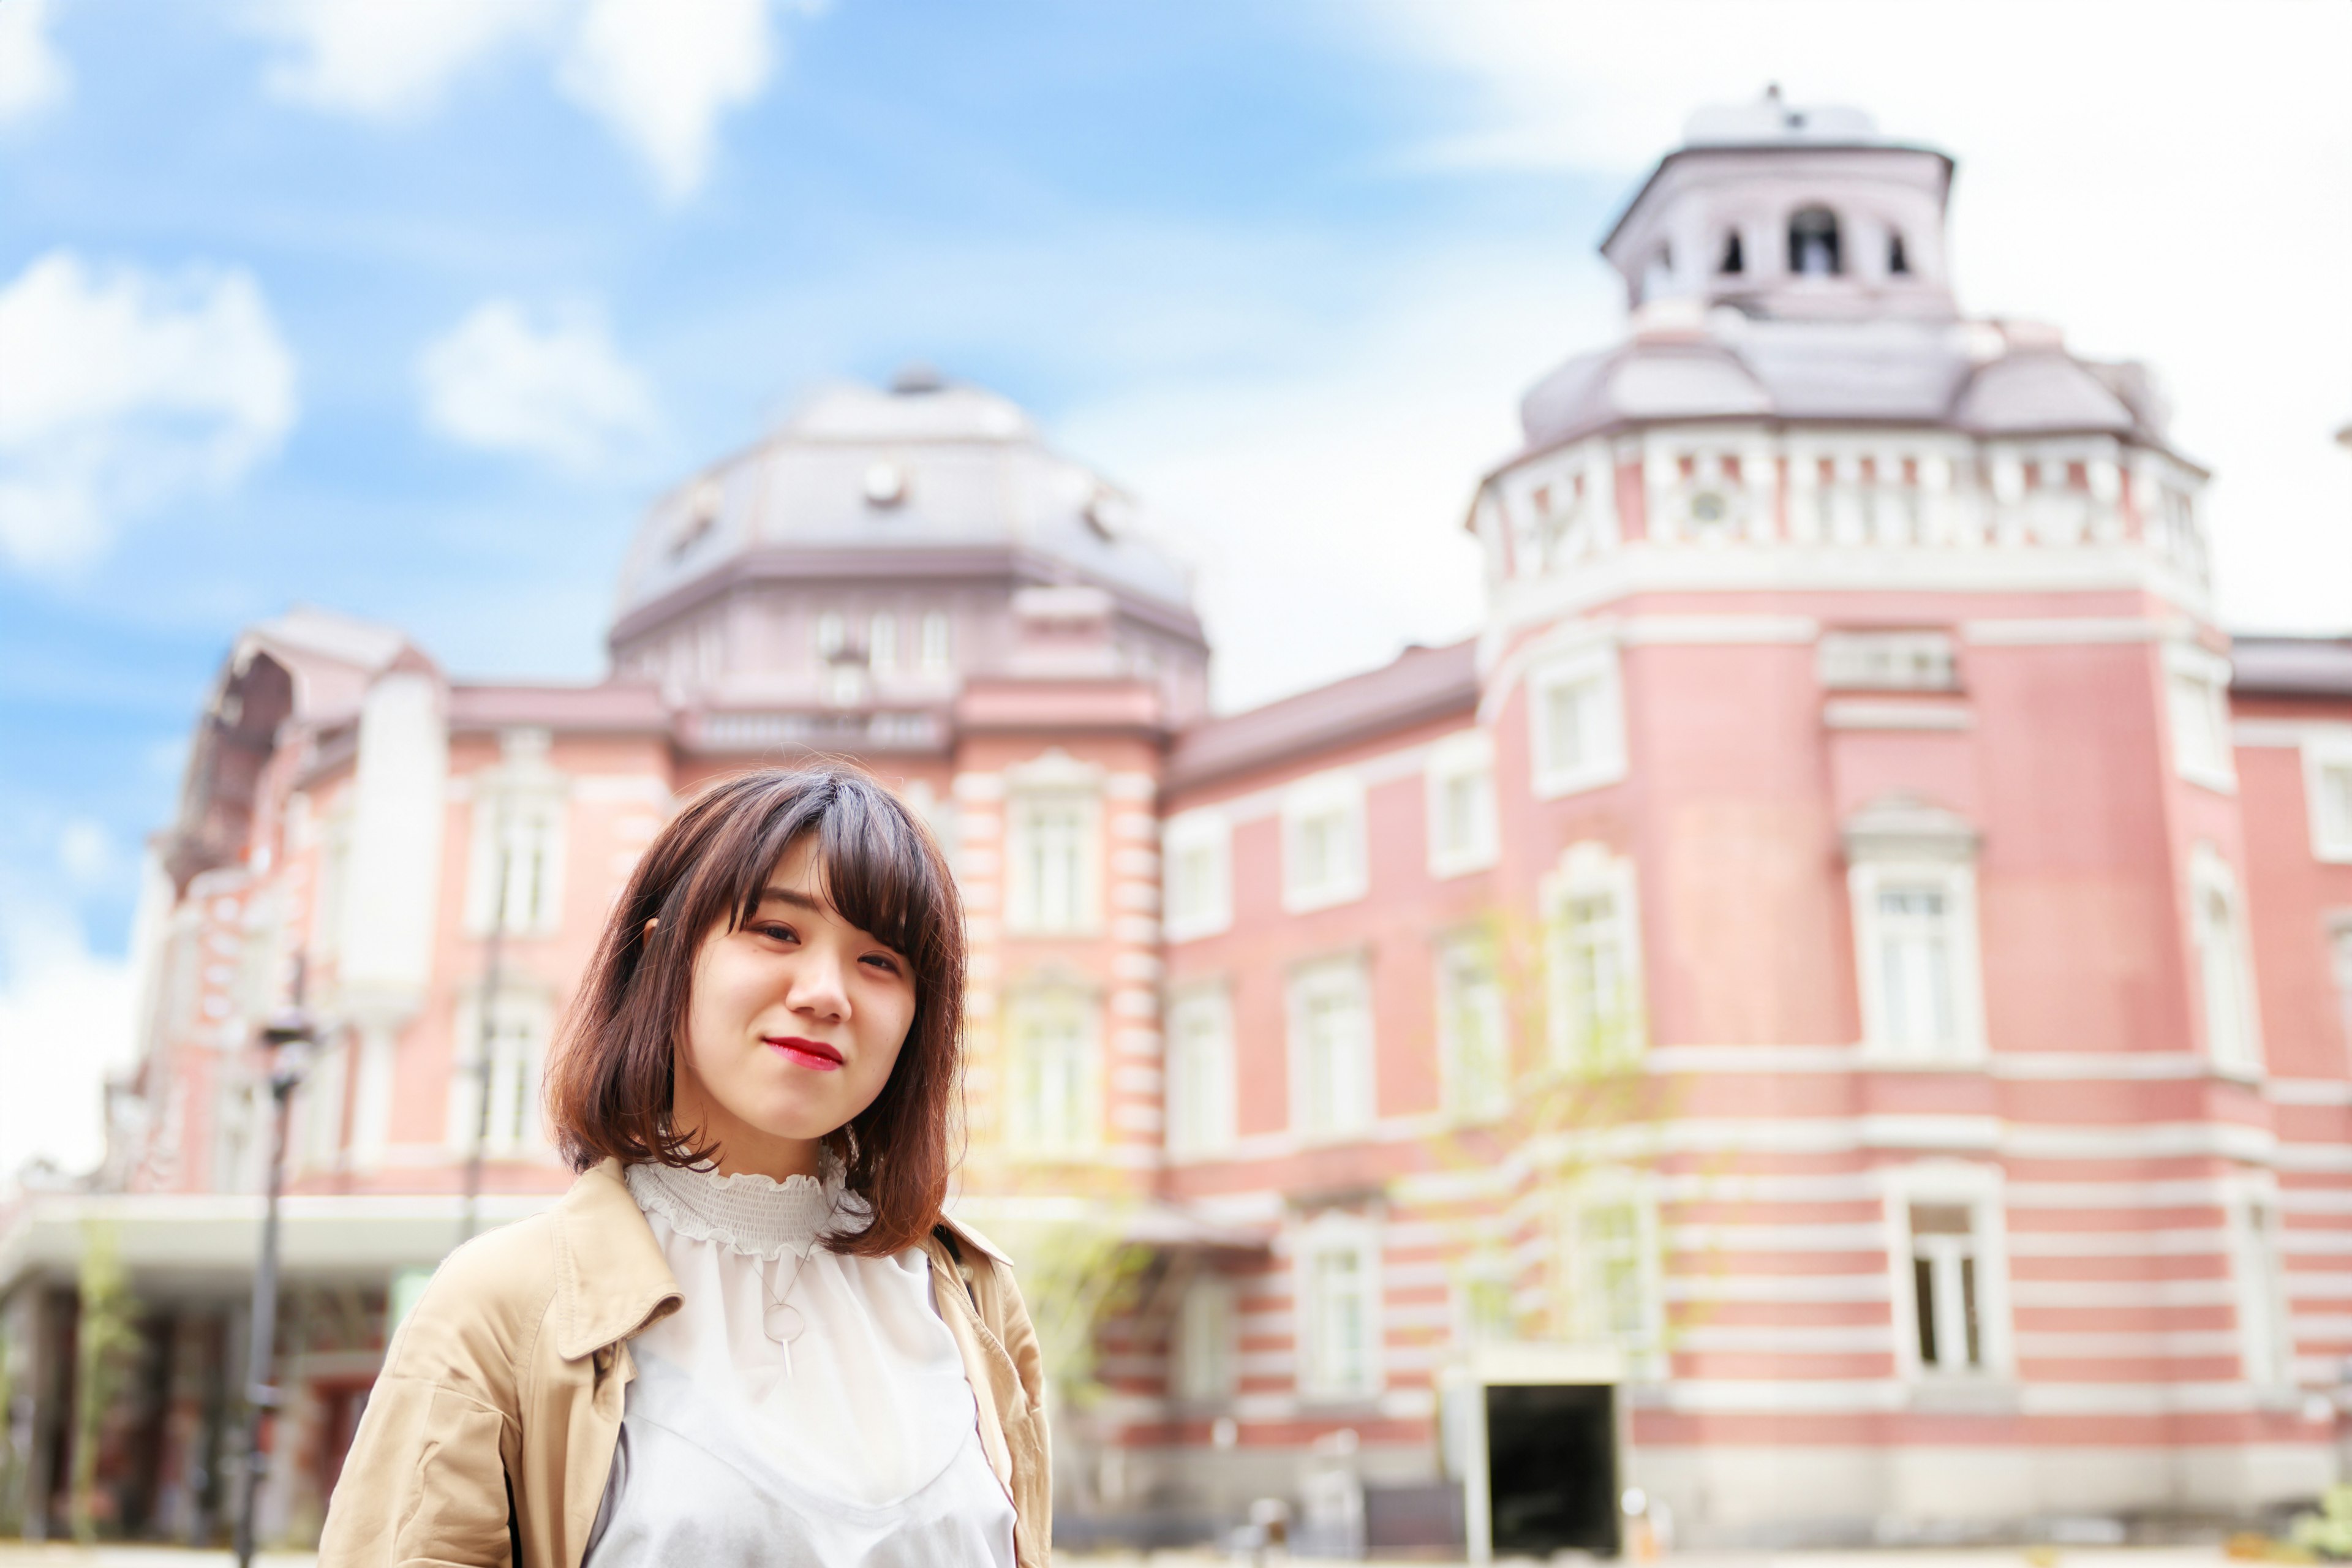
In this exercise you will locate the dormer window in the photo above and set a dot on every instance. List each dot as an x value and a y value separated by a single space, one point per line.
1813 243
1897 264
1735 261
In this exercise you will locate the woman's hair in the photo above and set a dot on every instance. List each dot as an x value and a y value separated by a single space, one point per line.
614 1067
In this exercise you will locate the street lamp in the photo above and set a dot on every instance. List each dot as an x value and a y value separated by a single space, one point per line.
286 1036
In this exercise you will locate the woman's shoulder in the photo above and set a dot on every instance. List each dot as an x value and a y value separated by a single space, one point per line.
483 1306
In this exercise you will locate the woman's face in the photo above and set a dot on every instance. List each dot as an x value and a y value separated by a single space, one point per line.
794 1023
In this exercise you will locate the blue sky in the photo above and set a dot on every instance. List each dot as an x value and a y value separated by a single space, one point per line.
407 309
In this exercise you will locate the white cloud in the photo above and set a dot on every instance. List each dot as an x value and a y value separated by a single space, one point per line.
555 389
658 73
125 389
661 72
85 852
370 58
2171 191
33 75
65 1023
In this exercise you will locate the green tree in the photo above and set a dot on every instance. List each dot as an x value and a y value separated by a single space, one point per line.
106 1349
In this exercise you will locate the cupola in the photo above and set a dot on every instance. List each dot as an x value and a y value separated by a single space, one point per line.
1782 211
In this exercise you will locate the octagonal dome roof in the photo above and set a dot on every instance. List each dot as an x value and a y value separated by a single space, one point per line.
925 465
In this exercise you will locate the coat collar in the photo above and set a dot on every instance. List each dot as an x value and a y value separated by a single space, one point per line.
610 1280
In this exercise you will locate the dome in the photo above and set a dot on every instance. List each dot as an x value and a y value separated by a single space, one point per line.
925 466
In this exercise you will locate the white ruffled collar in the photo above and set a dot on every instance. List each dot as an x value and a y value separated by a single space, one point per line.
756 1216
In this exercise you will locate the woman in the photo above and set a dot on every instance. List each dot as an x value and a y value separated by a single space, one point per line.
746 1335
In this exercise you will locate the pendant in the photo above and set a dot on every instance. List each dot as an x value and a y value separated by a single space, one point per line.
783 1322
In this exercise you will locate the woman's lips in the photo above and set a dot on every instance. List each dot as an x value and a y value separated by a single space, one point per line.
815 1054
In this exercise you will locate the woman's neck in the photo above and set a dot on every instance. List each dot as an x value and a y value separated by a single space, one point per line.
741 1148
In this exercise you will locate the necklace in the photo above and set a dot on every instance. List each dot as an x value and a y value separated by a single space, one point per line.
782 1320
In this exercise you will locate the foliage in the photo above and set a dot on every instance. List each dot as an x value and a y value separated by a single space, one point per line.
106 1348
2328 1533
1074 1273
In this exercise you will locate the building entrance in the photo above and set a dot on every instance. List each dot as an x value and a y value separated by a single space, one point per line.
1551 1467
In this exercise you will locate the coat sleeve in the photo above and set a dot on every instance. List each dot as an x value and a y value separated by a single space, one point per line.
427 1482
424 1483
1019 1338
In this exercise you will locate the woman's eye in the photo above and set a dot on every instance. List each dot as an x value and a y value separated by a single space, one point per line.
887 965
779 932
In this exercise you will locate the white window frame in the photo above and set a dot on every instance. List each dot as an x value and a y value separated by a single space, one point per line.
1466 760
1465 1098
830 635
1338 797
520 810
1599 667
1205 1345
2258 1282
1029 1129
1978 1189
1027 907
1587 870
1322 1374
1584 1294
523 1022
1486 1274
2230 1026
882 642
935 654
1198 1076
2331 832
1955 882
1191 911
2195 676
1355 1104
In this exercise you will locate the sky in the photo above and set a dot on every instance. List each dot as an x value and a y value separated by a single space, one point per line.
408 310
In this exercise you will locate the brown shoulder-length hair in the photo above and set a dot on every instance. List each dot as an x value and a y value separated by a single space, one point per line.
615 1064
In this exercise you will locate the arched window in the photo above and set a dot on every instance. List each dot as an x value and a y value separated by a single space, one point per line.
1658 278
1734 259
1813 243
1898 265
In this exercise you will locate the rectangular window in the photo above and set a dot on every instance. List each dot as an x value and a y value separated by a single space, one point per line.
831 634
1595 975
1461 789
516 1047
2327 786
1946 1285
1204 1341
1200 1071
1610 1247
1338 1314
882 643
1579 739
2223 975
936 655
1196 852
1331 1049
319 1138
2265 1331
518 862
1051 1045
1473 1030
2339 947
1053 882
1484 1308
1323 858
1914 930
2198 682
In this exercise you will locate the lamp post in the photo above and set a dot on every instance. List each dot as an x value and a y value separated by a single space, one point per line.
285 1036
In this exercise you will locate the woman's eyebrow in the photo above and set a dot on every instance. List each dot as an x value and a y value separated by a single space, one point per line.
787 895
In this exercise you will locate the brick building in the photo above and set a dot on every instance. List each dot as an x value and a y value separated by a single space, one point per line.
1850 950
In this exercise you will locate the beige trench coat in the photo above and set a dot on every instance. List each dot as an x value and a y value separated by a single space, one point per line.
490 1432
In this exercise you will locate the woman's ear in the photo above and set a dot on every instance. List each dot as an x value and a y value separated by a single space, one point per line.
650 924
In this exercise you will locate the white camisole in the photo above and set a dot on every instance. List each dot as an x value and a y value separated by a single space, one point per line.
859 1445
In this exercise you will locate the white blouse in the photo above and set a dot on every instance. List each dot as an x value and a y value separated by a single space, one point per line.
855 1441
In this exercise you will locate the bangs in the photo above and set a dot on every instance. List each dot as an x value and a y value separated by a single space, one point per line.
872 866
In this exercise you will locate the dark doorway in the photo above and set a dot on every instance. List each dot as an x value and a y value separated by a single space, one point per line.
1551 1467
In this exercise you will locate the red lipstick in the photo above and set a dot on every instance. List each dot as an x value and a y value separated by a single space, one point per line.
815 1054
